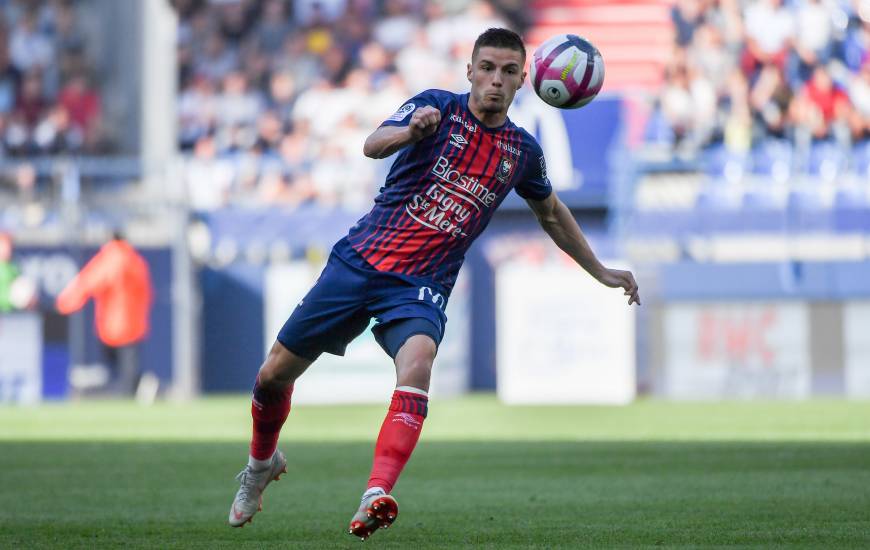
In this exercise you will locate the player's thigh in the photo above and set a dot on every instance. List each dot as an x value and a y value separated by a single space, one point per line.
393 337
330 316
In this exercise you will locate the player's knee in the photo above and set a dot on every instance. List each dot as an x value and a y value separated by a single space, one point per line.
414 360
420 366
281 366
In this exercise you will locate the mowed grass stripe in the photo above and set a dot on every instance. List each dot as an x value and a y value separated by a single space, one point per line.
493 494
475 418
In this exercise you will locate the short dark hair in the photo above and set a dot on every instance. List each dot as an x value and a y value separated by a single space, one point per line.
499 38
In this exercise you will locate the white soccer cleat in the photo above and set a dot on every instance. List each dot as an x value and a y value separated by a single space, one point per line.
378 510
249 498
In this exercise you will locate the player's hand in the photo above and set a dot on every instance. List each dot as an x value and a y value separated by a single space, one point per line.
617 278
424 122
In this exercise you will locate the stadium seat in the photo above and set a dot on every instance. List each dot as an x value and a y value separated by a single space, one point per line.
660 223
717 212
721 163
762 212
861 159
826 160
807 212
851 212
773 158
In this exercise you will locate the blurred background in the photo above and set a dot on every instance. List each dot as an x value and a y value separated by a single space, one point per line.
726 161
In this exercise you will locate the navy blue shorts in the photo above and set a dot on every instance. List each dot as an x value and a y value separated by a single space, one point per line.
344 299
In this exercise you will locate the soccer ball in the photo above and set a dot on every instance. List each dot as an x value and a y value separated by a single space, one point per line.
567 71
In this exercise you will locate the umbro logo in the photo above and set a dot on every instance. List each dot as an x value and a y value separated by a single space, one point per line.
407 419
458 140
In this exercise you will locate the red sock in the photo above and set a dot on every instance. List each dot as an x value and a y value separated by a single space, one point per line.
269 408
398 437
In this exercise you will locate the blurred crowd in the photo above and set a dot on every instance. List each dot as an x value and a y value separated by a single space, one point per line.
276 97
48 104
754 72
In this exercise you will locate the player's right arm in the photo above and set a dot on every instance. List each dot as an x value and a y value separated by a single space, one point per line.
386 140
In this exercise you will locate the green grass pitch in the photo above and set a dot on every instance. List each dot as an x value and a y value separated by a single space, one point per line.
653 474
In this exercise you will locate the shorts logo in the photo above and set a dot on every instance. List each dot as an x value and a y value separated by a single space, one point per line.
504 170
457 140
403 112
435 297
543 167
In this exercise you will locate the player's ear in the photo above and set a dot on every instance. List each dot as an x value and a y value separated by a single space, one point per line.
468 71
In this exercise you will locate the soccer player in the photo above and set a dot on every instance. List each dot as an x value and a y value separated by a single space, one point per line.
459 157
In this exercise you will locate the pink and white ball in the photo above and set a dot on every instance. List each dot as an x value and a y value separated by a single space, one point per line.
567 71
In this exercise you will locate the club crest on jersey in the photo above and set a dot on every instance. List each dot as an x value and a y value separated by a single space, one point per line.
458 140
505 169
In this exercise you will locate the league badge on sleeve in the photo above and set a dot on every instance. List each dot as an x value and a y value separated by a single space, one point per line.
505 169
403 111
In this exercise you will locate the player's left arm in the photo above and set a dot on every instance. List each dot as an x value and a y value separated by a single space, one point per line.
556 219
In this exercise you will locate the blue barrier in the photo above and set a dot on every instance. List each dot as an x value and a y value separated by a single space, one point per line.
765 281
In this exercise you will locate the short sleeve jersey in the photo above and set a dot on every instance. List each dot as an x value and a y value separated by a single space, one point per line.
442 191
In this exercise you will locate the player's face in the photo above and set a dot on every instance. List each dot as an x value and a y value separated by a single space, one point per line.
495 75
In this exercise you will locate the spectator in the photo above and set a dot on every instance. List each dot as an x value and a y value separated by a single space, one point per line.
312 13
118 280
770 99
44 47
769 34
10 80
788 56
821 106
396 29
686 15
31 102
208 180
272 28
298 60
375 59
335 64
420 54
237 103
282 96
262 138
856 49
234 20
16 290
67 38
737 130
56 133
813 39
859 94
82 105
256 66
726 17
216 60
29 48
197 111
709 55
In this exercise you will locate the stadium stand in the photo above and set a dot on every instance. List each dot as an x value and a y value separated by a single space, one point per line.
255 76
48 104
764 107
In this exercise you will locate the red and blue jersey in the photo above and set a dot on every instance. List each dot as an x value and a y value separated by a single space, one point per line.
442 191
